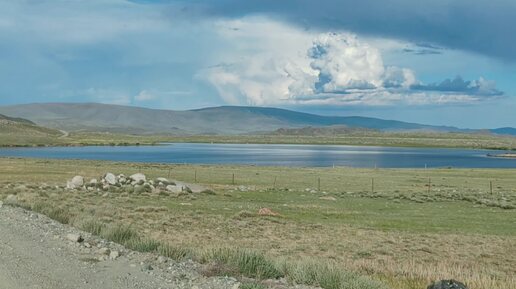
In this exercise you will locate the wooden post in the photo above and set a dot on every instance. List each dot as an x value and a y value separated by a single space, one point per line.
491 186
169 173
195 176
319 184
429 184
274 185
372 185
233 181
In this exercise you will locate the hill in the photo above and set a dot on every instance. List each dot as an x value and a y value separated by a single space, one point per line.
504 130
215 120
22 132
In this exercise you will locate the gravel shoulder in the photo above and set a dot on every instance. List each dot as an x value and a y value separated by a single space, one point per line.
36 252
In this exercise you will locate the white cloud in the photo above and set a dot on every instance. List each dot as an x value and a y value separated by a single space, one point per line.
293 66
144 95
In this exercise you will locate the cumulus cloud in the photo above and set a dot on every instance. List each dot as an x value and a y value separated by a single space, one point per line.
323 69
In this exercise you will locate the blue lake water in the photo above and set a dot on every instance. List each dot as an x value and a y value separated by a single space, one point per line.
276 155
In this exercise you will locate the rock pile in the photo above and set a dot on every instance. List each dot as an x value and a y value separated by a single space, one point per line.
136 183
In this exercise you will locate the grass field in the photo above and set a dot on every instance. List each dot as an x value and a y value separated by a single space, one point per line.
402 227
365 138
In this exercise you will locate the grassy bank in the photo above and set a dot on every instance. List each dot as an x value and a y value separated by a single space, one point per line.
366 138
412 227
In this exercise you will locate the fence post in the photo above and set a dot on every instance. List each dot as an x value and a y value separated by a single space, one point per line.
429 184
372 185
274 185
195 176
319 184
491 186
233 180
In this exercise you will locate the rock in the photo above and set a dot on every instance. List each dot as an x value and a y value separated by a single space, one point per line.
110 178
1 204
267 212
139 177
93 182
162 180
139 189
447 284
104 251
162 259
175 189
76 238
87 245
11 199
113 255
75 183
148 267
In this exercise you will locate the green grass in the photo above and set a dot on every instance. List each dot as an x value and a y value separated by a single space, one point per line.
30 136
400 234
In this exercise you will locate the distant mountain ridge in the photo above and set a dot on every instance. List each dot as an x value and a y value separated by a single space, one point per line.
213 120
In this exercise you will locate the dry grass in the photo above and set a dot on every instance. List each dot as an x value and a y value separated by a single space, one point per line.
388 235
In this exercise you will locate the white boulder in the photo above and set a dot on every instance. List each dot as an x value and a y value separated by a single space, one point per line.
139 177
75 183
110 178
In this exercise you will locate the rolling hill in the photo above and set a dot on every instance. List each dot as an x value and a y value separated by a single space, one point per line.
21 132
215 120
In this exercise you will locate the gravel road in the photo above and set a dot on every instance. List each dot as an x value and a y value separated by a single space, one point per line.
35 252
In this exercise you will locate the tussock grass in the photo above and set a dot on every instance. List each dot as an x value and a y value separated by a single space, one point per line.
61 215
245 262
327 276
93 226
143 245
175 253
121 234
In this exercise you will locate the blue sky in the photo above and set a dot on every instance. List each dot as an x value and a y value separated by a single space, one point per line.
436 62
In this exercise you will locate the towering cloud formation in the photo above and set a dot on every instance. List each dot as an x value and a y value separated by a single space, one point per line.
299 67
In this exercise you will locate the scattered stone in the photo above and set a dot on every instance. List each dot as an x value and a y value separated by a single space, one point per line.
75 183
76 238
113 255
267 212
1 204
87 245
175 188
139 177
110 178
148 267
162 260
104 251
447 284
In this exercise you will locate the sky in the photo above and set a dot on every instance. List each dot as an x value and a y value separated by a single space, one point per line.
430 61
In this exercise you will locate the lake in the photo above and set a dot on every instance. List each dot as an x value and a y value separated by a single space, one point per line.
276 155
